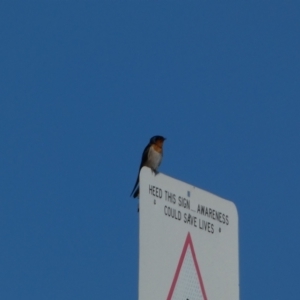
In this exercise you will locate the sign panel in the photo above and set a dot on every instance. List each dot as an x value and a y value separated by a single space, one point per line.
188 242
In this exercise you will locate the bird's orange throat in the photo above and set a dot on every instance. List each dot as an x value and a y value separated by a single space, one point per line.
158 146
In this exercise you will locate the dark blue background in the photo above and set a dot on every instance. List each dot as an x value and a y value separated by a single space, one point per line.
85 84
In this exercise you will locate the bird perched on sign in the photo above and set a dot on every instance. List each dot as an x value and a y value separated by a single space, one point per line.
151 158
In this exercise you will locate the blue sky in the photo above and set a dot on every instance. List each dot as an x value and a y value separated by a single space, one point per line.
85 84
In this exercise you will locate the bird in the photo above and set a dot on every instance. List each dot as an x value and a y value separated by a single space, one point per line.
151 158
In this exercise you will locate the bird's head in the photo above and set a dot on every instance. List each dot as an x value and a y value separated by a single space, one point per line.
157 140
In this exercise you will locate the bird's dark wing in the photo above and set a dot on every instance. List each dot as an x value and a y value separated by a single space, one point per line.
143 161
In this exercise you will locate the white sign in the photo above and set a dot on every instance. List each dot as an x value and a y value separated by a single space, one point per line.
188 242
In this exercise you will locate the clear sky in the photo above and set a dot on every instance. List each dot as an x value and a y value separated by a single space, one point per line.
85 84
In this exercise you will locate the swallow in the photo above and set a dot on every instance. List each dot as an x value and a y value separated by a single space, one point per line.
151 158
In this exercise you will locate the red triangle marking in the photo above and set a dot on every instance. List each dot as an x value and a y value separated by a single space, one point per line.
188 242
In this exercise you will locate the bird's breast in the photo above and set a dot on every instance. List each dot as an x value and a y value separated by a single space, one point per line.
154 159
